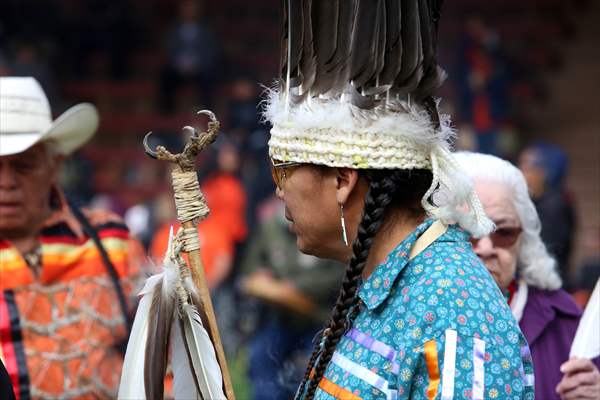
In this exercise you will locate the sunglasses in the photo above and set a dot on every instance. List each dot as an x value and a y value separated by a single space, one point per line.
502 237
278 169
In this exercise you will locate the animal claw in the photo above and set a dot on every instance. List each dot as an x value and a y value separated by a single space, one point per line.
147 148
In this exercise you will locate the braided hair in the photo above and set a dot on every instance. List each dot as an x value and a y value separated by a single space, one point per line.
402 189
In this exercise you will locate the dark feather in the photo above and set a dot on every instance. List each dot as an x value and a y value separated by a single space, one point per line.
308 67
431 76
292 38
380 44
338 66
362 101
365 35
159 331
393 43
412 52
363 48
325 16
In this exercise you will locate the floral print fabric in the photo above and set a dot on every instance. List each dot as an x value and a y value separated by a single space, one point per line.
434 327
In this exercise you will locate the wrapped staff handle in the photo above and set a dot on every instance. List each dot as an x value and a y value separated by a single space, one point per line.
191 208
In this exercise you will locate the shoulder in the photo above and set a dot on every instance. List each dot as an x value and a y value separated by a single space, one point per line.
448 288
103 219
558 300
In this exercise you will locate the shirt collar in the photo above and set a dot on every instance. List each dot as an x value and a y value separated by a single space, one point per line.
377 287
62 214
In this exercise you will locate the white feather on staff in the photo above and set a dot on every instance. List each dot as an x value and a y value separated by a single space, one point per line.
132 379
587 338
166 319
198 363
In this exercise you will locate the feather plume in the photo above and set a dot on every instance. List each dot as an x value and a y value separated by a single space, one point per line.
201 355
292 37
360 50
433 75
308 67
160 322
365 37
339 63
412 52
325 30
586 343
132 382
166 320
393 43
182 370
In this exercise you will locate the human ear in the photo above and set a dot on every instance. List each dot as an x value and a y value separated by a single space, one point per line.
55 165
346 182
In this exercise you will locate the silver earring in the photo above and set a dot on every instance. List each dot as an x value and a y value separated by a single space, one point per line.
343 221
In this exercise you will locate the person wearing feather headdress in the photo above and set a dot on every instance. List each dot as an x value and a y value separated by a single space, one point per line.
361 158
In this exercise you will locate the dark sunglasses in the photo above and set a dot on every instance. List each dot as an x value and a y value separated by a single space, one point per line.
502 237
278 169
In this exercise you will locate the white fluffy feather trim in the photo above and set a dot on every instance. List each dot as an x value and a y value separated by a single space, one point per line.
334 132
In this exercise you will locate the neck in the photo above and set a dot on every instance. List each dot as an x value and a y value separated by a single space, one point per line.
25 244
387 239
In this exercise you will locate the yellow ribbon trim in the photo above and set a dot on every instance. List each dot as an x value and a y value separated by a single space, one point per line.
336 391
431 360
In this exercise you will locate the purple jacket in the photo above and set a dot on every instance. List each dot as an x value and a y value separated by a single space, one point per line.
549 323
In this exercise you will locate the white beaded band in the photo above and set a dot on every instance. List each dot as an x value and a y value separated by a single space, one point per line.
347 149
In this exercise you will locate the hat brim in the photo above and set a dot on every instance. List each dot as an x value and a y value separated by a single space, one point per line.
68 132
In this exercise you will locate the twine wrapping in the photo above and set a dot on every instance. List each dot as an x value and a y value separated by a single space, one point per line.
190 239
189 200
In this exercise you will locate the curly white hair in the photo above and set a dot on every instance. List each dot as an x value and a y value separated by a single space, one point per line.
535 265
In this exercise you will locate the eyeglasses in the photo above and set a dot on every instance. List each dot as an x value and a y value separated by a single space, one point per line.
278 170
502 237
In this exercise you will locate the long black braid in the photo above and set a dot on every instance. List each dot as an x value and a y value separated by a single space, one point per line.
400 188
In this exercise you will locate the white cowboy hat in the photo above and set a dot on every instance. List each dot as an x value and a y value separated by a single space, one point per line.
25 119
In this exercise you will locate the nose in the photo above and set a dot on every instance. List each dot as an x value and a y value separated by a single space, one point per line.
484 247
8 177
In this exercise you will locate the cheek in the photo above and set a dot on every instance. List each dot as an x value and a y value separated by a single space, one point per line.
37 193
316 221
507 258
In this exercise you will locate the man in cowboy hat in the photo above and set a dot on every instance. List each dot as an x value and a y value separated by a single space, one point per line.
65 274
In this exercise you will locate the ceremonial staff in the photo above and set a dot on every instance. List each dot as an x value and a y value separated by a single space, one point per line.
174 310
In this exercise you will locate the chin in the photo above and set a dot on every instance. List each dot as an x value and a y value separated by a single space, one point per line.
11 224
318 250
305 247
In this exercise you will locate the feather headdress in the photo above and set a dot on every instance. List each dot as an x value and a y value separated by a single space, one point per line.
356 90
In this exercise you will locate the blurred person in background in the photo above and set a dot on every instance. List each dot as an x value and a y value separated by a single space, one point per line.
65 273
192 52
521 266
295 292
252 136
30 61
482 79
588 272
544 166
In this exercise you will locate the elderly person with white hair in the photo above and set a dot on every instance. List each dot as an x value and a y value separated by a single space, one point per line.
519 262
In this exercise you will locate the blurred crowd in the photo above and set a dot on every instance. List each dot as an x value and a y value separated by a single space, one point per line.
270 299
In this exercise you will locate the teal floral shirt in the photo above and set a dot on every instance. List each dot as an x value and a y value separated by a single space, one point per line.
434 327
